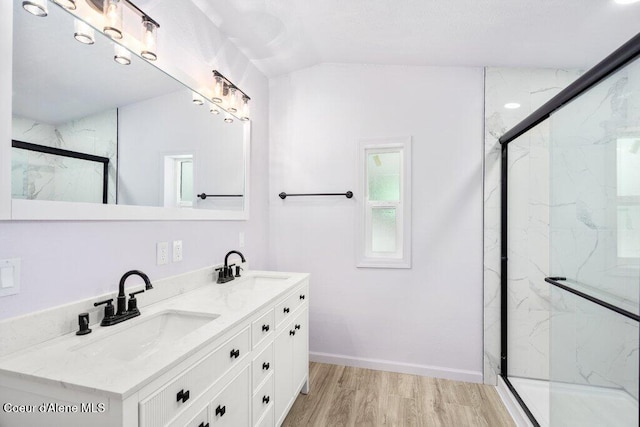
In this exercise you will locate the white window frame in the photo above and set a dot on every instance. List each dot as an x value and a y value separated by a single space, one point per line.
366 257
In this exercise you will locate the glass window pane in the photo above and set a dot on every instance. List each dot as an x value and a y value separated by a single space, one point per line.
383 230
628 171
629 231
383 176
186 181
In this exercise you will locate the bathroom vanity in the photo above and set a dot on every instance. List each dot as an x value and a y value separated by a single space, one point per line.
233 354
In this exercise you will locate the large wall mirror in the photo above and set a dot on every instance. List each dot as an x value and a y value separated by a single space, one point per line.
93 138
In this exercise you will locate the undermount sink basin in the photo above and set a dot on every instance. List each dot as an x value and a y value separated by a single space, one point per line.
264 280
147 336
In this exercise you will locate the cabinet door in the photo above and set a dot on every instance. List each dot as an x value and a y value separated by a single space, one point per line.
200 420
231 408
300 349
283 373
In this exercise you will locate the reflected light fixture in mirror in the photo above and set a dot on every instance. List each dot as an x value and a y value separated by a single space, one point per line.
213 109
121 55
36 7
113 18
67 4
197 98
244 109
149 39
84 33
228 118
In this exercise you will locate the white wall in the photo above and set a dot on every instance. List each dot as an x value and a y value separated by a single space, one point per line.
427 319
66 261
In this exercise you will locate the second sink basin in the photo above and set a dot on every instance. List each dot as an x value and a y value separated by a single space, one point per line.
147 336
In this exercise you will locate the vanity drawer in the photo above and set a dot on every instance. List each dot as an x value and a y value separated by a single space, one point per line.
285 309
200 420
267 418
262 366
263 400
172 399
261 328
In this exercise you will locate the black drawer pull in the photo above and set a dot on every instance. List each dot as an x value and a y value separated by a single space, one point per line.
302 296
234 354
265 400
286 310
265 366
220 410
292 332
182 395
265 328
297 326
202 424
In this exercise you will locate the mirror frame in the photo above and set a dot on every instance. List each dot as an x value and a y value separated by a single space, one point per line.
19 209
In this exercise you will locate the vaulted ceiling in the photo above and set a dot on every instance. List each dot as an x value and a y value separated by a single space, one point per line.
284 35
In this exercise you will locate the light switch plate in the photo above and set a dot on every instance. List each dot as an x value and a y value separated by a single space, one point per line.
9 276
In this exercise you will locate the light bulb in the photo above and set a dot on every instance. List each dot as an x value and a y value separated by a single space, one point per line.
122 55
511 105
218 90
244 109
232 105
113 18
36 7
67 4
149 39
84 33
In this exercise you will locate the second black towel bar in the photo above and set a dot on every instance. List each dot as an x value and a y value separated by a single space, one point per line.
348 194
204 196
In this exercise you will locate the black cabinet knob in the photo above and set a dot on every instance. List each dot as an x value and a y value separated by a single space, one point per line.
265 366
265 328
182 396
202 424
220 410
286 309
292 332
297 326
302 296
234 354
265 399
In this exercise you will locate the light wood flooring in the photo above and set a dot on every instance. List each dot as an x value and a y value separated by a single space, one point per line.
345 396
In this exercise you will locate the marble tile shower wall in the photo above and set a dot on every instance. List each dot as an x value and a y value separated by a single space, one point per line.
586 233
528 213
45 177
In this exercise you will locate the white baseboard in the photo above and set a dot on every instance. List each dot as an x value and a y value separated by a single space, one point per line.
404 368
512 405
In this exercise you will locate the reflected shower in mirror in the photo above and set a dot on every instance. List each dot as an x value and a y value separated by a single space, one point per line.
161 149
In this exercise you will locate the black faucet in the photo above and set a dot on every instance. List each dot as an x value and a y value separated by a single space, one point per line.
225 273
125 311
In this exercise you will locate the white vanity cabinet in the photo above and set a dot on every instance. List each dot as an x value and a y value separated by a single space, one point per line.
291 351
249 375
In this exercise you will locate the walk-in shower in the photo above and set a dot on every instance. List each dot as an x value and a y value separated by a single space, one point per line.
570 251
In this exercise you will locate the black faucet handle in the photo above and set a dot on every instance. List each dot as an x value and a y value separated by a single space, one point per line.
108 309
131 295
238 268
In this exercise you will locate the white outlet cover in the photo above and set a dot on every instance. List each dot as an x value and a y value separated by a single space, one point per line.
162 253
177 250
9 276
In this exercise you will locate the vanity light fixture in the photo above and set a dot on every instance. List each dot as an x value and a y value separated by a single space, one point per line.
112 10
67 4
122 56
235 100
197 98
149 38
36 7
84 33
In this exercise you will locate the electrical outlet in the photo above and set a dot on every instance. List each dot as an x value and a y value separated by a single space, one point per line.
177 250
241 239
162 253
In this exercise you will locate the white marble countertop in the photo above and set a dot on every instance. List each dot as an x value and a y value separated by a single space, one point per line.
58 361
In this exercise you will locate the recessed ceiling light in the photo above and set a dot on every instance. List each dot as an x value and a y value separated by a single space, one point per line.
626 1
512 105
